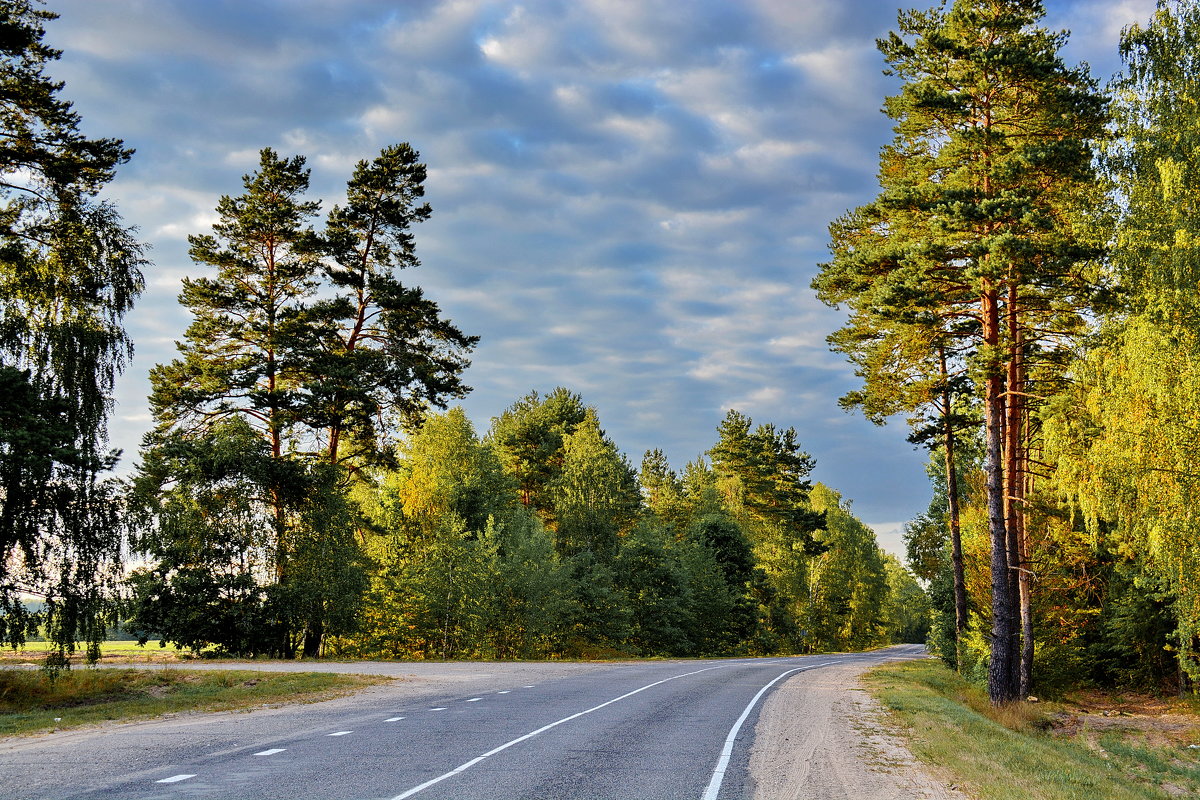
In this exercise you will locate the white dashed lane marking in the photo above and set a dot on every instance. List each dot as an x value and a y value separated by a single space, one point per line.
274 750
175 778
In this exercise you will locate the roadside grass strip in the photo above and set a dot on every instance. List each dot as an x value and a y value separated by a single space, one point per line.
949 725
31 702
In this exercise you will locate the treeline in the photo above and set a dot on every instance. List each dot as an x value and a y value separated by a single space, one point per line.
538 539
1027 288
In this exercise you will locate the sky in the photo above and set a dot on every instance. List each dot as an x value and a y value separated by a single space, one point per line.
630 197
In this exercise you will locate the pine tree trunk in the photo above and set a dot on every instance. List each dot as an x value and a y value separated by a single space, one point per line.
1015 421
1013 424
956 555
1018 481
1002 667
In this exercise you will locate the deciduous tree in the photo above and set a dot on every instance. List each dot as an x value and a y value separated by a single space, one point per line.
69 271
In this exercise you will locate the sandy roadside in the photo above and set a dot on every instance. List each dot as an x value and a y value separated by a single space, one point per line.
821 736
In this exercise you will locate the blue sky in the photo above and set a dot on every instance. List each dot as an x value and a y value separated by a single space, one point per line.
630 197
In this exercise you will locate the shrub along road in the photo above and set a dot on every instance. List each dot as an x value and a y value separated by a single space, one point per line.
671 729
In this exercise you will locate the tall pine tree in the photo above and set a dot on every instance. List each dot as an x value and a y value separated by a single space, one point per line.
308 340
979 232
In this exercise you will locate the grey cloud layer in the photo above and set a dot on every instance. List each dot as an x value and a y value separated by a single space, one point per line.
628 199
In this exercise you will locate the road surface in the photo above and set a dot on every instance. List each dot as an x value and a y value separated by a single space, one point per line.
555 731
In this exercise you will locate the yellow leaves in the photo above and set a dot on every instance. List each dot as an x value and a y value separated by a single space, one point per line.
1171 179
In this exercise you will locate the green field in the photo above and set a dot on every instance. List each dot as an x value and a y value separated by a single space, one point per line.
119 650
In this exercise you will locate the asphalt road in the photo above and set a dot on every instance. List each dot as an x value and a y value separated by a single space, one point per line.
637 730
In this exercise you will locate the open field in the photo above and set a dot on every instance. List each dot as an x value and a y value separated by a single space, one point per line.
31 702
1089 746
123 651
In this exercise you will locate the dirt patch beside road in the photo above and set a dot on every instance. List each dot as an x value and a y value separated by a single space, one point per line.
820 736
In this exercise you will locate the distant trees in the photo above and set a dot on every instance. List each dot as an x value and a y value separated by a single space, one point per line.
537 540
69 270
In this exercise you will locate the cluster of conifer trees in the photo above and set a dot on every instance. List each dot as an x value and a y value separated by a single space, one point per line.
538 539
1026 288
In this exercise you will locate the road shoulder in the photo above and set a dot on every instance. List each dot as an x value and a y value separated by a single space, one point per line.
821 736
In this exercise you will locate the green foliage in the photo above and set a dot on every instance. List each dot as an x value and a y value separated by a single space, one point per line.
464 568
595 495
1125 438
384 352
659 595
444 468
69 271
662 490
532 601
759 477
529 437
848 584
909 604
206 521
764 474
307 350
978 258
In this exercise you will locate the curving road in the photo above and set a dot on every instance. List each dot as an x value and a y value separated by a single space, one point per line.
637 730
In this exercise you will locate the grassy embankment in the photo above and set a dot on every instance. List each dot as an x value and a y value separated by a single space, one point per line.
30 702
1086 746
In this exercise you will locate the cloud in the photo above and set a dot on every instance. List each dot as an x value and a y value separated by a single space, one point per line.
628 200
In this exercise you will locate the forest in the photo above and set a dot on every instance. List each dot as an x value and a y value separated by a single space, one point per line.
1023 291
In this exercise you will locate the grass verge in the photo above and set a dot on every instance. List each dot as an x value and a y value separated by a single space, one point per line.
32 703
1013 752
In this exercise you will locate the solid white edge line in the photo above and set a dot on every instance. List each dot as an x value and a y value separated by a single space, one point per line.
543 729
718 776
175 779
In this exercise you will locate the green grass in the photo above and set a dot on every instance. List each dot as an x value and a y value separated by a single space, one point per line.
1004 754
30 702
36 651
